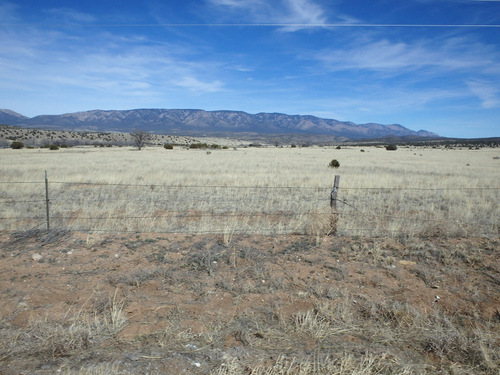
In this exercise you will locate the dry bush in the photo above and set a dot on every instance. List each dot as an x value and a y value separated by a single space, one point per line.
77 332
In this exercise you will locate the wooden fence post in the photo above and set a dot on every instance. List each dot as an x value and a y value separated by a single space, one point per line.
47 200
333 196
333 205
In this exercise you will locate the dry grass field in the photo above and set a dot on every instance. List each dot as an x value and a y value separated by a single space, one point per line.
228 263
405 193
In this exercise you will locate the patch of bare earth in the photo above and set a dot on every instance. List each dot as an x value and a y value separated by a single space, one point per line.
77 303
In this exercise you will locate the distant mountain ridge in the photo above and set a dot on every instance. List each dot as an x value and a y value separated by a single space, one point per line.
200 122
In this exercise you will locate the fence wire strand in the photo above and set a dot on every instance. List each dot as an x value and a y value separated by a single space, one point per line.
303 196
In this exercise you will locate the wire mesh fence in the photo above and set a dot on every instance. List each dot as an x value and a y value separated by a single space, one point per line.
373 211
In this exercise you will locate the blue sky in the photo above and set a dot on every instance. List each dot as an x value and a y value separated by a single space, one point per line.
424 64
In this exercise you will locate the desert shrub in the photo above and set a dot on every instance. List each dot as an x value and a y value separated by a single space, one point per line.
334 164
17 145
53 147
64 145
391 148
168 146
338 148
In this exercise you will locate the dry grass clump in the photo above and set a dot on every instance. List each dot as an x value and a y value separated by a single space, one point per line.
100 369
76 332
322 366
394 334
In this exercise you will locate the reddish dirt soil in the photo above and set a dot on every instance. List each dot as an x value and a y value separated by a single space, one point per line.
203 285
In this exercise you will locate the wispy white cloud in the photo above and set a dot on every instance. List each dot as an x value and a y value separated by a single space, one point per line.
303 11
197 86
291 15
399 57
488 93
376 101
102 64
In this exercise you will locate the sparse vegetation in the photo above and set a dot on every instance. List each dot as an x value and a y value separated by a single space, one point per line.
17 145
391 147
334 164
283 305
37 138
140 138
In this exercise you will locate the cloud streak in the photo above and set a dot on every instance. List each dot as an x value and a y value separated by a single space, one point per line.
398 57
292 15
197 86
486 92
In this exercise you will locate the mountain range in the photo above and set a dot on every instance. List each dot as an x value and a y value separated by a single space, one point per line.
198 122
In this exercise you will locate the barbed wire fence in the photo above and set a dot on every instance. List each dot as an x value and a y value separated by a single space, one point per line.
220 209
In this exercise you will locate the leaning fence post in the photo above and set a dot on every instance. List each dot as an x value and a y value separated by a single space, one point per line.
47 200
333 205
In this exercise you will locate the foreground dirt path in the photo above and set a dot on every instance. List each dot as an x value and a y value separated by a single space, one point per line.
154 303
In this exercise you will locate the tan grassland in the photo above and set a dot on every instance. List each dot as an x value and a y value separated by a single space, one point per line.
405 193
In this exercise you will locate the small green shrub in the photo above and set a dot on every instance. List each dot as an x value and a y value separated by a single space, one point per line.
334 164
53 147
338 148
391 148
168 146
17 145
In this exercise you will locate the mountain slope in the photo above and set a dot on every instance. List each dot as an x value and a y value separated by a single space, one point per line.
200 122
9 117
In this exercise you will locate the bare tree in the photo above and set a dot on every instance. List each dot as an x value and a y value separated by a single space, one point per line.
140 138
